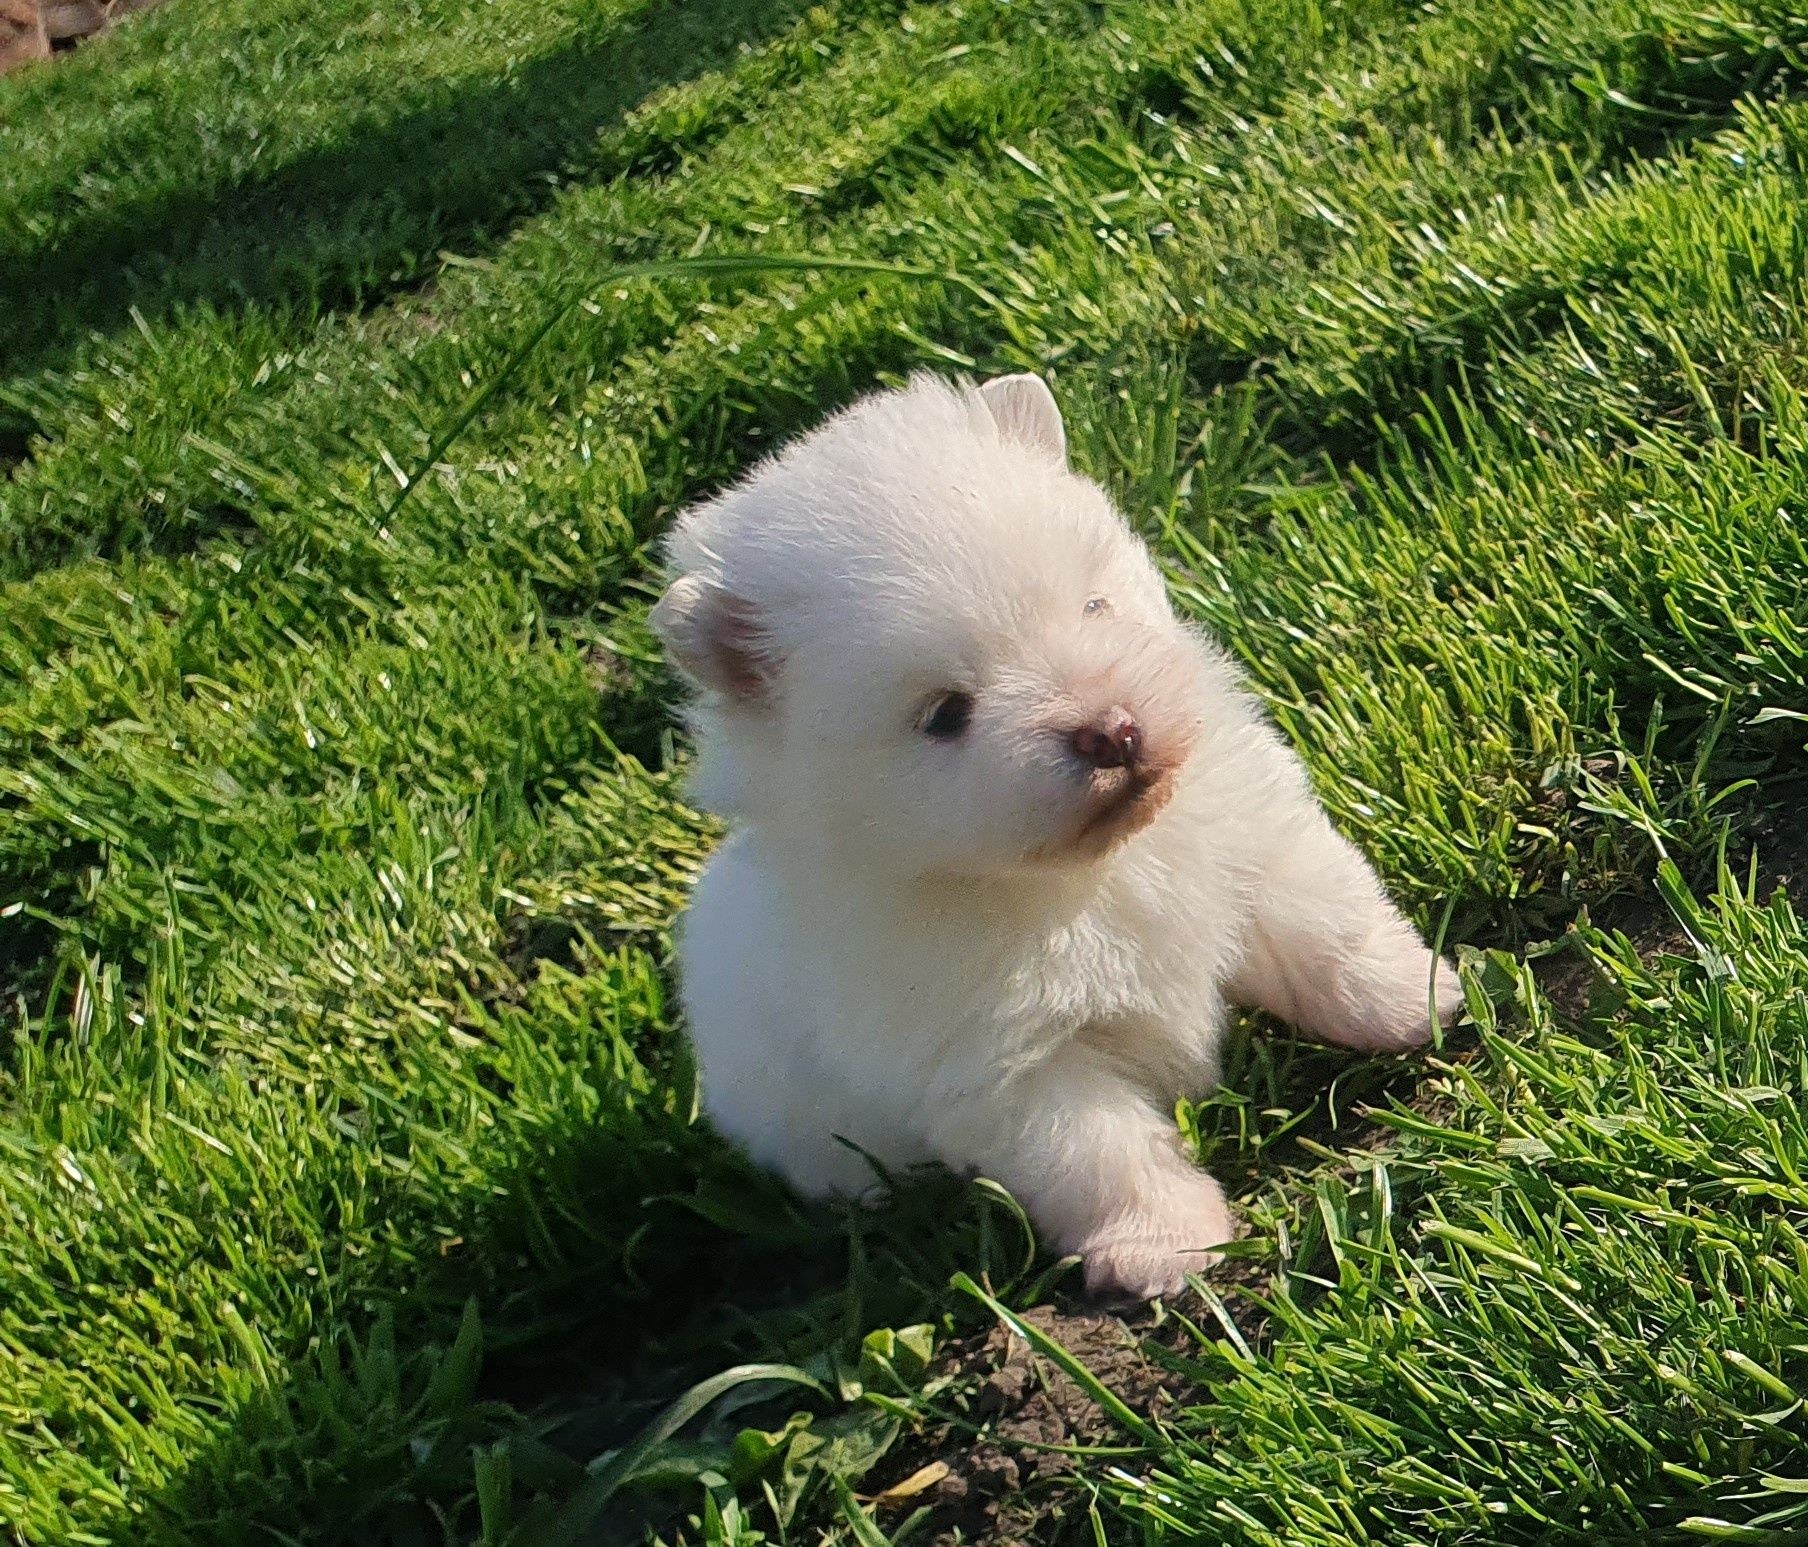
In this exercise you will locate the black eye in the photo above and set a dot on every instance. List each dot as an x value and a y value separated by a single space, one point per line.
1096 606
948 716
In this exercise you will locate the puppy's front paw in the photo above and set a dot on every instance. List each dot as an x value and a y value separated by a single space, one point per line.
1390 994
1140 1256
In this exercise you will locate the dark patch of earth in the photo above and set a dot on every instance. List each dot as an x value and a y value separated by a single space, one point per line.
1005 1484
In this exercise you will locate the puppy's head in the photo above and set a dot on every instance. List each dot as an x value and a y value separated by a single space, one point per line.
920 638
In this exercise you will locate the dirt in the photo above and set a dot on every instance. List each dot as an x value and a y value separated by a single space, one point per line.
1570 980
1004 1486
992 1477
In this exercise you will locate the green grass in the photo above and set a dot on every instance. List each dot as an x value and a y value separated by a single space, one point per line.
350 1182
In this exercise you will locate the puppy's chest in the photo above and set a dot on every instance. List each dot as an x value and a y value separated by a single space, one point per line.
1085 971
1052 981
953 985
1126 959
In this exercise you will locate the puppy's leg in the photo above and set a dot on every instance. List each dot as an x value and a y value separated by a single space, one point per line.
1329 952
1099 1167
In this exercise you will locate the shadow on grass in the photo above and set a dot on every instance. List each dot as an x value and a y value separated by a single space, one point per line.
593 1265
347 222
578 1293
620 1263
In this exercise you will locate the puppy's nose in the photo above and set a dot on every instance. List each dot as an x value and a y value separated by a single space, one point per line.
1114 740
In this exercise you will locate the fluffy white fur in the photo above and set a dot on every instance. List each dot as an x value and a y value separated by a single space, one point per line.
1004 949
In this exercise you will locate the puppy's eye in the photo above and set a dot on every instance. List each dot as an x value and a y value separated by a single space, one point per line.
1096 606
948 717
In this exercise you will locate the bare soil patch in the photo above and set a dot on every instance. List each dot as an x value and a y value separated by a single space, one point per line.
1004 1484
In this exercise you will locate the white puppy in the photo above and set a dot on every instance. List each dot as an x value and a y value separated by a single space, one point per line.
1009 836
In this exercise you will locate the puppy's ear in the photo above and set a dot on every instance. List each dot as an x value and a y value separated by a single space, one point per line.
715 639
1026 413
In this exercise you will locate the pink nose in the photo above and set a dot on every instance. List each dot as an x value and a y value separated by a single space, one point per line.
1114 740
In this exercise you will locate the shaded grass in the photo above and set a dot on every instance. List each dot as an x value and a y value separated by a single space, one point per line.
436 128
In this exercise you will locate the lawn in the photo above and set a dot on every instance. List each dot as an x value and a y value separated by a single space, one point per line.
1453 357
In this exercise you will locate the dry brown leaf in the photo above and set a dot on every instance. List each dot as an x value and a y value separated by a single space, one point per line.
920 1481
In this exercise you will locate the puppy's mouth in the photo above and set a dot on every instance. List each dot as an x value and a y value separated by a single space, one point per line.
1123 802
1117 804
